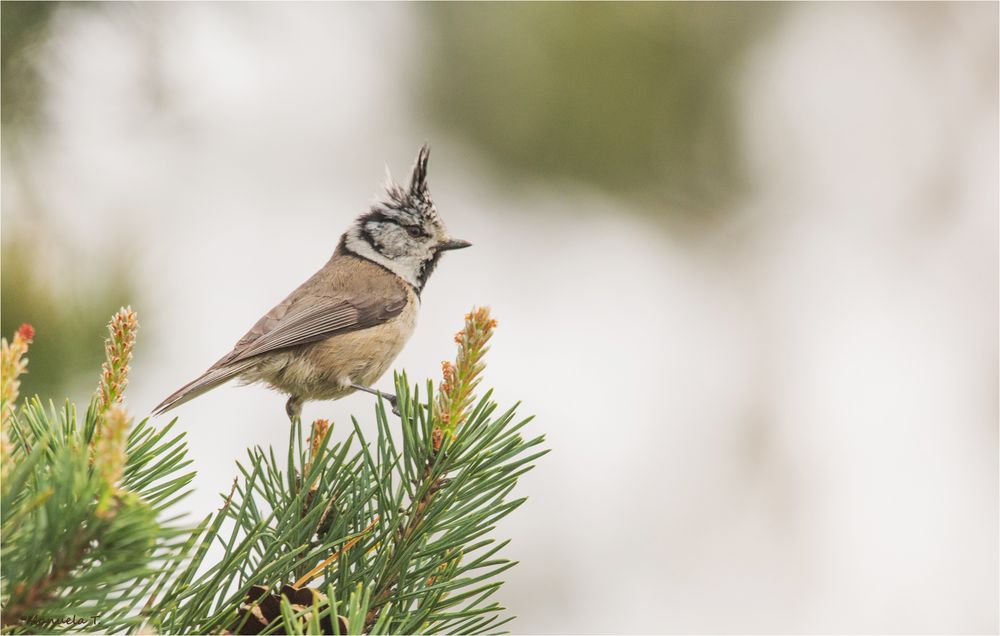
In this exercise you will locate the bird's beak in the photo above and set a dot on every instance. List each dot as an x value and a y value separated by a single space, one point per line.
453 244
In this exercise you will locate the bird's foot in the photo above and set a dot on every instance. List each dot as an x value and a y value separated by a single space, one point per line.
388 397
293 407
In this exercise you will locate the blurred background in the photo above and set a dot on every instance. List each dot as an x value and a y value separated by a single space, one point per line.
743 256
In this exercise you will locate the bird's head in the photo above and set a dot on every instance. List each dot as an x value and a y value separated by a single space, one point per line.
403 232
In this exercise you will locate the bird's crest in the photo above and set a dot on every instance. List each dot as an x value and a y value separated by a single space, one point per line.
416 195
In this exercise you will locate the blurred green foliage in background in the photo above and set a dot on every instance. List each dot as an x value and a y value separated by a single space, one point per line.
633 98
69 317
42 280
23 27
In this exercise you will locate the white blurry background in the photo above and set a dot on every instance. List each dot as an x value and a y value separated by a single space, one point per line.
786 422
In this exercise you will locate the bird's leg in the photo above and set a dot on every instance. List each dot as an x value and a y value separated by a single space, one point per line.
293 407
388 397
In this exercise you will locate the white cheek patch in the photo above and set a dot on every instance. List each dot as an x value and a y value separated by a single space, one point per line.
404 267
389 241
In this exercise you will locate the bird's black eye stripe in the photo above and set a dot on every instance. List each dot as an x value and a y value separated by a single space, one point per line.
368 237
377 215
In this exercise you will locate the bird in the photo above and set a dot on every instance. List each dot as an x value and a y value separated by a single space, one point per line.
340 330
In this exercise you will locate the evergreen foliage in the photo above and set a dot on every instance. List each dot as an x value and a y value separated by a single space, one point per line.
385 535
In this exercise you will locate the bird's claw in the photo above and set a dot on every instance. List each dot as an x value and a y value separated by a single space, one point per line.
393 402
388 397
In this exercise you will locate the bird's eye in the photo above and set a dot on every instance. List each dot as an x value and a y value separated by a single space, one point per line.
414 231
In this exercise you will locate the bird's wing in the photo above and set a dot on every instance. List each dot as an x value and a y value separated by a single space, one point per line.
299 320
302 320
205 382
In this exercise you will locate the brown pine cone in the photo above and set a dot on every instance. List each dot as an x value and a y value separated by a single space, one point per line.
261 608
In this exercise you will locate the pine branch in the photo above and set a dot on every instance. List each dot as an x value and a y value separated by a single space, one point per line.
388 535
79 502
27 598
398 525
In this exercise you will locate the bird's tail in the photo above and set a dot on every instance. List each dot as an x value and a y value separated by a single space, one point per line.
206 382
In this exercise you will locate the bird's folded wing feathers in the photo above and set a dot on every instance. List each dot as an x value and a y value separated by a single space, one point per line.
303 317
296 322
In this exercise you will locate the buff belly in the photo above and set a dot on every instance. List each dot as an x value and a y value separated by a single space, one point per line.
324 370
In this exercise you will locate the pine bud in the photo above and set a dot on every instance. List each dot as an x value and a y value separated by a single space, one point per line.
455 393
316 435
12 365
109 453
118 354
